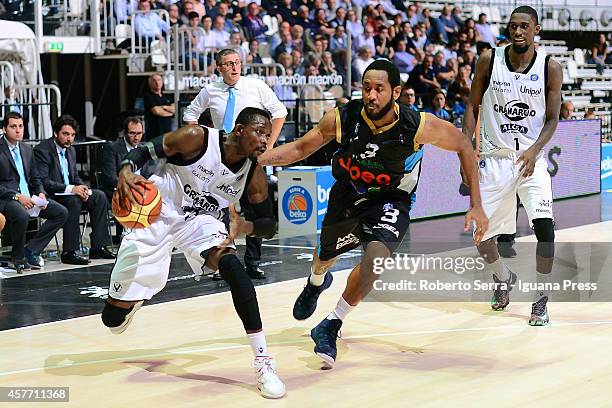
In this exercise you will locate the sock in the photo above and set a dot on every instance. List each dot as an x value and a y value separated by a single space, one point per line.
500 270
341 311
543 279
316 280
258 344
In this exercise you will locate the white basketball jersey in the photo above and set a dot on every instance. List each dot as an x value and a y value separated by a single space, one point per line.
513 106
204 184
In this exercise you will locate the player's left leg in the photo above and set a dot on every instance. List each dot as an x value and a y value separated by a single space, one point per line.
247 308
203 237
536 195
383 228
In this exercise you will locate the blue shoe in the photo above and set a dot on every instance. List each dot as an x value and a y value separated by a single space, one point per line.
324 335
34 260
306 303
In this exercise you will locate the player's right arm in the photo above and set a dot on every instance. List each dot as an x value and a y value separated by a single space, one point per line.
300 149
184 142
444 135
476 92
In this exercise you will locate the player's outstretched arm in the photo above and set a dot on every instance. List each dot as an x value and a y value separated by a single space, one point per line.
444 135
312 141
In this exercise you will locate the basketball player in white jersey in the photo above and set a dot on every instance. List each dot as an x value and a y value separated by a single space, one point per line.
519 89
198 176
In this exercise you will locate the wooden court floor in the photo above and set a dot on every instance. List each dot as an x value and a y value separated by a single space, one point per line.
193 353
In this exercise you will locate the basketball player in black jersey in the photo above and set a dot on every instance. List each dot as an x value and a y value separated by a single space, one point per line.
376 171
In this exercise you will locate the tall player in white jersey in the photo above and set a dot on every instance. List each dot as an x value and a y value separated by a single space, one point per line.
519 89
198 176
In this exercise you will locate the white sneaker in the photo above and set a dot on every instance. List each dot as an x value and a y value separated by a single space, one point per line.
128 319
268 381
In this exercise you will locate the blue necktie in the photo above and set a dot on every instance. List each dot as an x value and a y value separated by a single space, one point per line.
23 184
228 119
64 166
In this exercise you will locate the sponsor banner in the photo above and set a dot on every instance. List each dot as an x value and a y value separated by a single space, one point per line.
606 166
573 157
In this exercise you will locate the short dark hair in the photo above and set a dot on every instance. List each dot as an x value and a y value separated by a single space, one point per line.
248 115
131 119
224 52
65 120
192 15
385 65
10 115
527 10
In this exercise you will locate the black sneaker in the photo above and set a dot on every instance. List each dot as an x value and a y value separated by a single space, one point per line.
539 313
306 303
501 294
324 335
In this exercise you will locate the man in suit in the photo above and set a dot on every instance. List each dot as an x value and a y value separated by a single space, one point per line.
55 161
114 153
18 183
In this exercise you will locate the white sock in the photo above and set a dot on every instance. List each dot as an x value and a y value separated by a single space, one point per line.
542 279
258 344
500 270
341 311
316 280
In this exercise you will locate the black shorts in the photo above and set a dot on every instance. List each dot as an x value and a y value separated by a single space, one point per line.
351 221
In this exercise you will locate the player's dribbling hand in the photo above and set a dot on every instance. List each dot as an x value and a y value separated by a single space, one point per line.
477 215
528 159
128 181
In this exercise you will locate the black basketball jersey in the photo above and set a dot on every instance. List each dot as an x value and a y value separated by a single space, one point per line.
376 161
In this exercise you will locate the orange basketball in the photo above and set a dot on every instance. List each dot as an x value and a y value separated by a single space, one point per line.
139 215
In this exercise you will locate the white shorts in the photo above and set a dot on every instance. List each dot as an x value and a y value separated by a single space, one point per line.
501 182
143 261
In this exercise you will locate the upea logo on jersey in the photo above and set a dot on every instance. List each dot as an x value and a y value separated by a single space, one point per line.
515 110
513 128
534 77
297 205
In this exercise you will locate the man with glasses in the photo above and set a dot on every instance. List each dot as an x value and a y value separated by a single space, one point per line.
408 98
114 153
225 100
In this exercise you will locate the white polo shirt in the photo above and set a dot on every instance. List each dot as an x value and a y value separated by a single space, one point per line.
250 92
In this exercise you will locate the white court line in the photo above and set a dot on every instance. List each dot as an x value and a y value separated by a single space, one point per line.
301 340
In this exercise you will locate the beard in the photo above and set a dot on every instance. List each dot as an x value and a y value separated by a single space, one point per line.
520 50
383 111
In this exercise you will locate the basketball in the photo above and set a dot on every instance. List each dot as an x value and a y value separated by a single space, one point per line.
139 215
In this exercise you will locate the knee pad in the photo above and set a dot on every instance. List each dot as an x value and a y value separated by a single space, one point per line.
243 291
113 316
545 233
